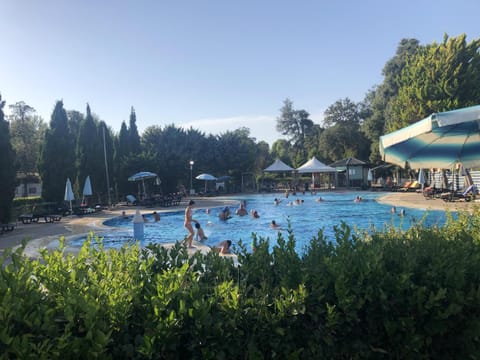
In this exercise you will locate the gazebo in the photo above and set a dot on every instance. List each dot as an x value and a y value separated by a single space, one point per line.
315 166
356 171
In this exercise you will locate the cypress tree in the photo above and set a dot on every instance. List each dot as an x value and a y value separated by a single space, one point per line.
134 138
90 156
57 158
108 146
7 166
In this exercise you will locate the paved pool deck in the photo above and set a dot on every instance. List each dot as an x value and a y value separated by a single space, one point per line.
73 224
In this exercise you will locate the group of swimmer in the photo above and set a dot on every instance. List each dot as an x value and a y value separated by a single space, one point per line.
393 210
223 247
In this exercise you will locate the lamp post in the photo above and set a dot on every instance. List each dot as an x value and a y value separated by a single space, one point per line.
191 177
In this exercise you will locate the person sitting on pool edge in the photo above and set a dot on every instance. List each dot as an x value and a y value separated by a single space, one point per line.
223 247
200 234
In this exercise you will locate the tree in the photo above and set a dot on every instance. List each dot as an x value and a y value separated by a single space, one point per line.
27 131
57 157
342 112
436 78
343 138
7 166
297 126
105 138
134 138
281 149
121 153
90 155
379 99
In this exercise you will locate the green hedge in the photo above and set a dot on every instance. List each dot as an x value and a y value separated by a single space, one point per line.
391 294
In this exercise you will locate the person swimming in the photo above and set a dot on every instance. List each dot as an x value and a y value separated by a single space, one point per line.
254 214
241 211
225 214
200 236
274 225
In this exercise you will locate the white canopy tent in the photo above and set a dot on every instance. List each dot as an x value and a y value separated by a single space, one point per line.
315 166
278 166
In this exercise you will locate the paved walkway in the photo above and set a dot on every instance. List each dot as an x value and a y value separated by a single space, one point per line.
71 225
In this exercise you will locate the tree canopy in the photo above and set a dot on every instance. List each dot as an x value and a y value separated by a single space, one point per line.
7 166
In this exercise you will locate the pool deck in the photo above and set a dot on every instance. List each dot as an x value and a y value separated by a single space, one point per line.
72 225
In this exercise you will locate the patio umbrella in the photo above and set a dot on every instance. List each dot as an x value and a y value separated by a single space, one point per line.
69 193
421 178
142 176
439 141
206 177
370 175
87 189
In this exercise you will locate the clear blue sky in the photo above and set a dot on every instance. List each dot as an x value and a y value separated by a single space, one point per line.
213 65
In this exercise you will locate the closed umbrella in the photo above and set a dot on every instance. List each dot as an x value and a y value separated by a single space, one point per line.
206 177
87 189
421 178
69 193
370 175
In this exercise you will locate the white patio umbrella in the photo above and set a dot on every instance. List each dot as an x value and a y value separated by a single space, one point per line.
370 175
69 193
87 189
206 177
142 176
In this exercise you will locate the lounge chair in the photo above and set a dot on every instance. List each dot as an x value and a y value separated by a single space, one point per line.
466 195
405 186
131 200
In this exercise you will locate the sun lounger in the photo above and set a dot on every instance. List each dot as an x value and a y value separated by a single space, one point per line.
406 186
132 200
466 195
28 218
7 227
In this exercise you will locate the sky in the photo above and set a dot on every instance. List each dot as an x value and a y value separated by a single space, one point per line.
212 65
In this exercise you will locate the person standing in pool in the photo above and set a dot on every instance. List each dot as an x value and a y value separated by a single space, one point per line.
188 223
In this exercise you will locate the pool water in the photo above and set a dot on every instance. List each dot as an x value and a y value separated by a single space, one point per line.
306 219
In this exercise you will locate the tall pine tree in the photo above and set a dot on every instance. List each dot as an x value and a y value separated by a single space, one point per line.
57 158
8 171
134 138
121 154
90 156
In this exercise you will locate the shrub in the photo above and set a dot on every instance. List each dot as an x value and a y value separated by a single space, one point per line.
389 294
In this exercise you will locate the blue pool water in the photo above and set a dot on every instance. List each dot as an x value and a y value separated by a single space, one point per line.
305 219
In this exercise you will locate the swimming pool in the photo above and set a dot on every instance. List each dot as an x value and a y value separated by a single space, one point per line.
306 219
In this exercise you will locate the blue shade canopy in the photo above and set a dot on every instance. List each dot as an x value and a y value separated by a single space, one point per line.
142 176
206 177
438 141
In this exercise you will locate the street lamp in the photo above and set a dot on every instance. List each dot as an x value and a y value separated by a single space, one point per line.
191 177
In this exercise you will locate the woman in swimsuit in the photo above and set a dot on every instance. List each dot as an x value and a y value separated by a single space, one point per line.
188 223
